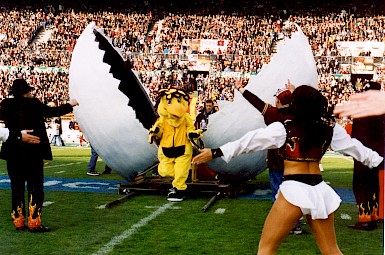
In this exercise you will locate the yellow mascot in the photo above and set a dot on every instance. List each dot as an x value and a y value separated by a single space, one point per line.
174 128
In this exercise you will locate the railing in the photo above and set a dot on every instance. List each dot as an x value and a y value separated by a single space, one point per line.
215 57
349 59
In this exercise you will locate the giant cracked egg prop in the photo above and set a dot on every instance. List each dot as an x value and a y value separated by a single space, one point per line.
115 111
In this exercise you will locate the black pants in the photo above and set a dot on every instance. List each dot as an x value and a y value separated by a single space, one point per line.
28 170
366 192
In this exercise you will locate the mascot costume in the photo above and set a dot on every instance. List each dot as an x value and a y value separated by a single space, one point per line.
174 128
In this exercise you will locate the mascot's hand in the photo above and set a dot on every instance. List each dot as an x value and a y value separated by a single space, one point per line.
195 134
152 132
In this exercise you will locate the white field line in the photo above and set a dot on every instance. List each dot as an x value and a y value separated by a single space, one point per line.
69 164
126 234
220 211
345 216
47 203
156 207
59 148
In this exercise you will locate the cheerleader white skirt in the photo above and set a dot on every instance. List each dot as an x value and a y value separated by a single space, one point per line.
319 201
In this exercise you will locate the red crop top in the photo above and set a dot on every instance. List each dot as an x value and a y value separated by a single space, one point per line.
291 149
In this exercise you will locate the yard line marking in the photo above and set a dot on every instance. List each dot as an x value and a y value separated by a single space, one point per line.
51 183
47 203
126 234
348 158
220 211
69 164
345 216
156 207
261 192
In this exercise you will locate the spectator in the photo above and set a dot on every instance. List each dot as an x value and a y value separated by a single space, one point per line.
92 165
202 119
56 135
271 114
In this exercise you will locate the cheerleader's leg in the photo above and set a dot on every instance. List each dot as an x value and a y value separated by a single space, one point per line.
282 218
325 235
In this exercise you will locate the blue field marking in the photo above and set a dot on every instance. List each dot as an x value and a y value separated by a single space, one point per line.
73 185
346 195
107 186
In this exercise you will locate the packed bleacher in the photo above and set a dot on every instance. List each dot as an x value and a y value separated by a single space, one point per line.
160 40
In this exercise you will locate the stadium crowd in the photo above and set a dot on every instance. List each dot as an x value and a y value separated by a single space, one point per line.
153 39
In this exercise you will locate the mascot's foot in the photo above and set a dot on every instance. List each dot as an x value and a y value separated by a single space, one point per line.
175 195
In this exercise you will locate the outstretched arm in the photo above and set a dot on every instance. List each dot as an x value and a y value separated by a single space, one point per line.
253 99
269 112
270 137
205 155
369 103
290 86
342 142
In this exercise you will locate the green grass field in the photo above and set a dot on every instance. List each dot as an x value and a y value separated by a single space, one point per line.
148 224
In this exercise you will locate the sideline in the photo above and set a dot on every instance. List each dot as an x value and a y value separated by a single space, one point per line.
126 234
73 185
338 155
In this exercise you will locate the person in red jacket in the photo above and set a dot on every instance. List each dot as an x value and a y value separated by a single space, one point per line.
366 183
271 114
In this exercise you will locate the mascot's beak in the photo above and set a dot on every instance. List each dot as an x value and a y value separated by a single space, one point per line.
175 110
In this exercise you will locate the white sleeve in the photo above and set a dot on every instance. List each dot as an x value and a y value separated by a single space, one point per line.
270 137
342 142
4 133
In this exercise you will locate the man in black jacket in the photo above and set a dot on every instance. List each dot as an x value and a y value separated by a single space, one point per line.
25 161
202 119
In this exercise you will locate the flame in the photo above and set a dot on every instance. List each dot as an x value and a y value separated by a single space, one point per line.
18 221
371 214
375 213
33 223
363 217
